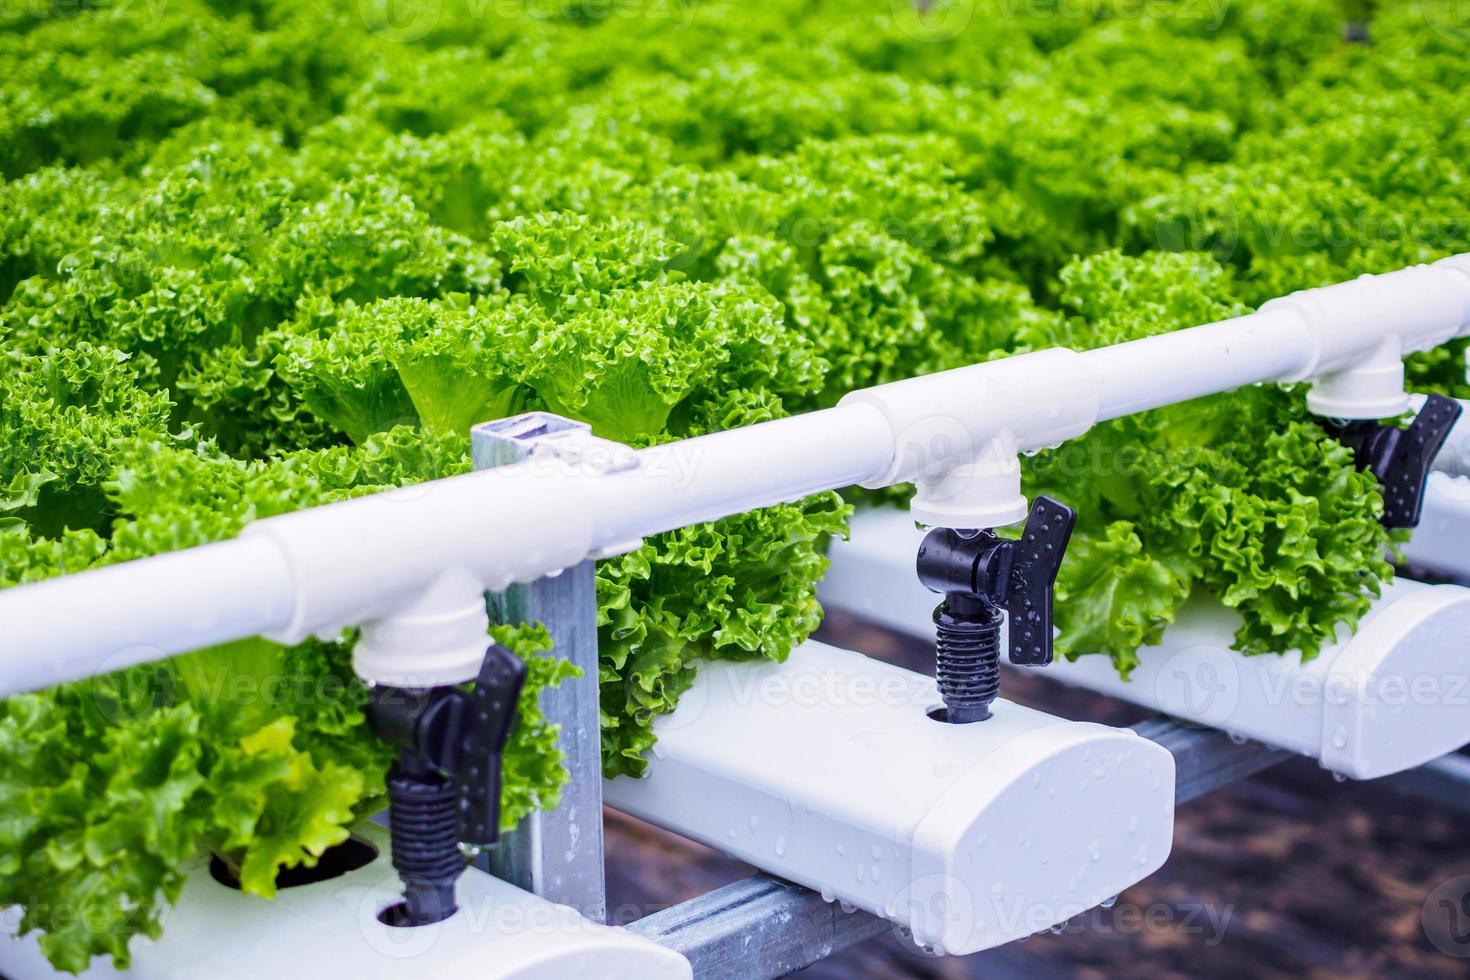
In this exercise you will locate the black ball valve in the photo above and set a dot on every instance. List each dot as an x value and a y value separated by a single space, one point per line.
445 789
987 582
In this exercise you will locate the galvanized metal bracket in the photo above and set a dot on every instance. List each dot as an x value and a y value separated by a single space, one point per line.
557 443
558 854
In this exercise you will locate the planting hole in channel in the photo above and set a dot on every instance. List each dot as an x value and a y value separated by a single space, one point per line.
346 857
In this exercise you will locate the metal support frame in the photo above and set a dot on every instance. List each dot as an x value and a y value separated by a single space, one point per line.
557 854
1445 781
758 927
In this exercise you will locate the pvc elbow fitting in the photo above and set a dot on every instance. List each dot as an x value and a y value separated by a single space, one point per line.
982 492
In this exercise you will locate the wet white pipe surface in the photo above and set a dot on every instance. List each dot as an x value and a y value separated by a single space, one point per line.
328 567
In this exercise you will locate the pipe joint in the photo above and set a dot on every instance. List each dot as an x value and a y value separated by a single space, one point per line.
958 434
1373 389
368 558
981 492
437 639
1355 363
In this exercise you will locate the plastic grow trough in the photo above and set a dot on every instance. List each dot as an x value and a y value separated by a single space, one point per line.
1390 698
828 771
331 929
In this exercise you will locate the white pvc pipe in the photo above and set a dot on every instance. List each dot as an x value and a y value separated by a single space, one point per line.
366 557
714 476
1313 334
328 567
324 568
104 620
1186 364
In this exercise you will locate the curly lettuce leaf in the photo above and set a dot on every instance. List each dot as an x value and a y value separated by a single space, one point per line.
257 753
1239 496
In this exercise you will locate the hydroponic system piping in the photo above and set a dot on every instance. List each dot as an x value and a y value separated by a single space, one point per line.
426 552
410 568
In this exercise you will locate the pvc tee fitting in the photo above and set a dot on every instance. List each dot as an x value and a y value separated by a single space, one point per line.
958 434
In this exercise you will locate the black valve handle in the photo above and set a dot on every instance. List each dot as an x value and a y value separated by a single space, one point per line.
1038 559
1400 458
493 708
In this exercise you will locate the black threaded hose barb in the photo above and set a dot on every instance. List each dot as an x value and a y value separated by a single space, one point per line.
424 823
967 657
